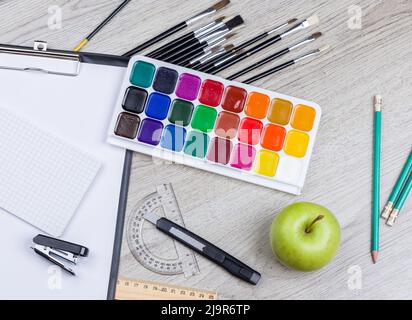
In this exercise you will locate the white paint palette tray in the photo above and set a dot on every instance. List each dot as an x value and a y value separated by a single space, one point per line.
213 124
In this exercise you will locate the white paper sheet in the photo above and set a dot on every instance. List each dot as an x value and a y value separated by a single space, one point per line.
42 178
77 110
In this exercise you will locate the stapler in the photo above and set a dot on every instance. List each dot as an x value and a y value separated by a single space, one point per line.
51 249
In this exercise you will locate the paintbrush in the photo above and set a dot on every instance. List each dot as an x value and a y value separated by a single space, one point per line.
174 53
186 57
100 26
189 37
183 25
207 67
286 65
252 41
207 56
311 21
275 56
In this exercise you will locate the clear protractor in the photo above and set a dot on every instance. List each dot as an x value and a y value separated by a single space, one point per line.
135 239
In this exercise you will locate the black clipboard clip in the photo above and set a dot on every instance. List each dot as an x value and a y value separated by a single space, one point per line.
52 249
66 64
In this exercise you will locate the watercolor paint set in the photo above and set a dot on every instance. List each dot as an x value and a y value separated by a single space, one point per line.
213 124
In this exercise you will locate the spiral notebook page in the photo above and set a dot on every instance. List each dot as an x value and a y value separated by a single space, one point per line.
42 178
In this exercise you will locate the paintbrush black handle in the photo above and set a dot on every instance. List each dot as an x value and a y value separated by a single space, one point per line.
263 45
208 250
236 49
250 42
204 67
177 42
211 63
176 49
270 72
106 21
192 66
184 51
259 64
186 63
246 54
208 67
228 64
156 39
185 58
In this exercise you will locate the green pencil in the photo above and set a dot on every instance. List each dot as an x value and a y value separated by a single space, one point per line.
400 201
376 179
397 188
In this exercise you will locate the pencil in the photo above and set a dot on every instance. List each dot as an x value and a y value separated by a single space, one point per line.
397 188
100 26
376 177
400 201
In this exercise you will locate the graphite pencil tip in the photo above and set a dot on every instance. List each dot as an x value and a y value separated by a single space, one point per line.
374 255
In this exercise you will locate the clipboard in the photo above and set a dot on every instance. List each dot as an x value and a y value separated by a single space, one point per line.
44 70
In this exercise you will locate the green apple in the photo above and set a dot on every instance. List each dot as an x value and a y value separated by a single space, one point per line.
305 236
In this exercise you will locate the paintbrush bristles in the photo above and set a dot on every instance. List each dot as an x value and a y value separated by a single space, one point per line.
221 4
312 20
324 48
316 35
215 49
235 22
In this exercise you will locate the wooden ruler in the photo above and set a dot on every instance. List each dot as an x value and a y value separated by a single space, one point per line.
128 289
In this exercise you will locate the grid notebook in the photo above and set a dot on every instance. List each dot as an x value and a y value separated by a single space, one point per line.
42 178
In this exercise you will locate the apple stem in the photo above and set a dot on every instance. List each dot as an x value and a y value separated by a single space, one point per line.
309 228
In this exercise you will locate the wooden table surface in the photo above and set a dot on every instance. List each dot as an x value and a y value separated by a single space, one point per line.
375 58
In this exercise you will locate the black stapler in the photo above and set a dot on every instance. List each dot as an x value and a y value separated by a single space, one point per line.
51 248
